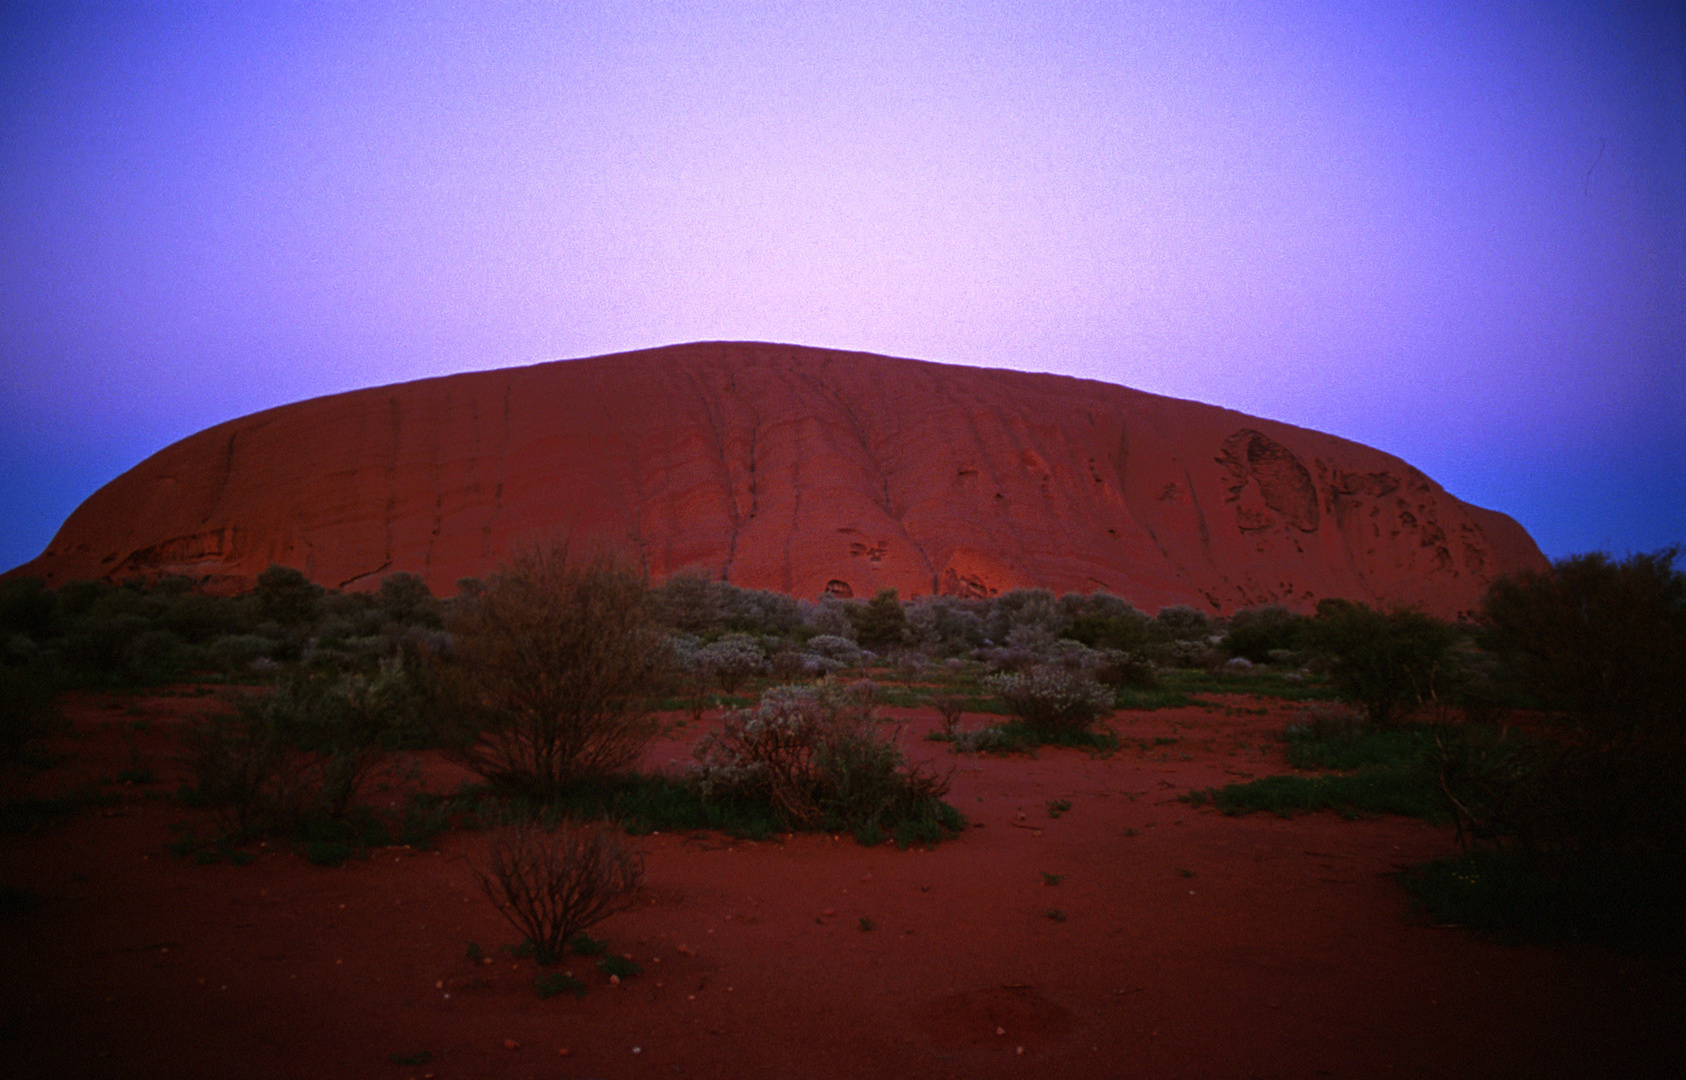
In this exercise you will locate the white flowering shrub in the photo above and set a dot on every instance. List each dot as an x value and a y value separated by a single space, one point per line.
731 661
833 647
1052 698
815 754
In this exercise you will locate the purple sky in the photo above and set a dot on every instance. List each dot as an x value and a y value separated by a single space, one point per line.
1453 231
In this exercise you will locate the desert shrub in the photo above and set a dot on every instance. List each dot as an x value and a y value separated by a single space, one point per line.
815 755
1017 737
1603 641
695 603
235 652
405 598
1050 698
1119 631
1381 770
1257 633
731 661
1595 810
550 675
1119 670
286 596
880 622
29 608
28 708
154 656
1036 610
1387 662
293 764
1179 622
552 885
832 647
828 615
690 602
1186 653
196 618
945 625
761 611
951 707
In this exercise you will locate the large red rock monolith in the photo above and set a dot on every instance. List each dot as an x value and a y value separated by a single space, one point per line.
800 470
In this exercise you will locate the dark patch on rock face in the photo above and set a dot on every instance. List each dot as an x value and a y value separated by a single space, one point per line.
1268 483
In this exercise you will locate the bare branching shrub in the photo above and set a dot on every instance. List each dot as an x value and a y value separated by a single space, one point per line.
549 679
551 885
951 707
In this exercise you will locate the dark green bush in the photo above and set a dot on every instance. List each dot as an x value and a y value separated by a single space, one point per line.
1387 662
28 708
880 622
1257 633
293 764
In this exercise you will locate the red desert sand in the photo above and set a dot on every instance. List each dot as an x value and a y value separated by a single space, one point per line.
1130 936
805 471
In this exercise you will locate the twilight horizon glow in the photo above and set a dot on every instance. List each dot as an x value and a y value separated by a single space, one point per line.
1453 232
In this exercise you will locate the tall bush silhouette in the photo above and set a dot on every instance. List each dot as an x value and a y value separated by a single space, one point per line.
1604 642
550 673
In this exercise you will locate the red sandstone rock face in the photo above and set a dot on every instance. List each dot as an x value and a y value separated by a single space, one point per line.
799 470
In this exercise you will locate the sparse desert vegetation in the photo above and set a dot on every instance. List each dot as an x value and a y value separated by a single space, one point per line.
537 750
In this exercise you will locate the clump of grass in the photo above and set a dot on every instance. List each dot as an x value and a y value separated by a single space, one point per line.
1350 795
621 967
1330 738
551 983
1016 737
1054 914
1056 807
1136 700
1387 771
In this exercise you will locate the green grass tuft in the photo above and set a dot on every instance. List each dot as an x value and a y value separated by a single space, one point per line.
1376 792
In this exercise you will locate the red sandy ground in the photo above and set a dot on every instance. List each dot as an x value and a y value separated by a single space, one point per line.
1192 945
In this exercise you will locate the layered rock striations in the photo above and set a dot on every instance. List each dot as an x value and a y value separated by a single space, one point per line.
801 470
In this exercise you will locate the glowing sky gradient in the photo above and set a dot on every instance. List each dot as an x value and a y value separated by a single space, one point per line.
1453 231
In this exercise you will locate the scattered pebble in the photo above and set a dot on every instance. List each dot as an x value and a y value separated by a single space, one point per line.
511 1044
